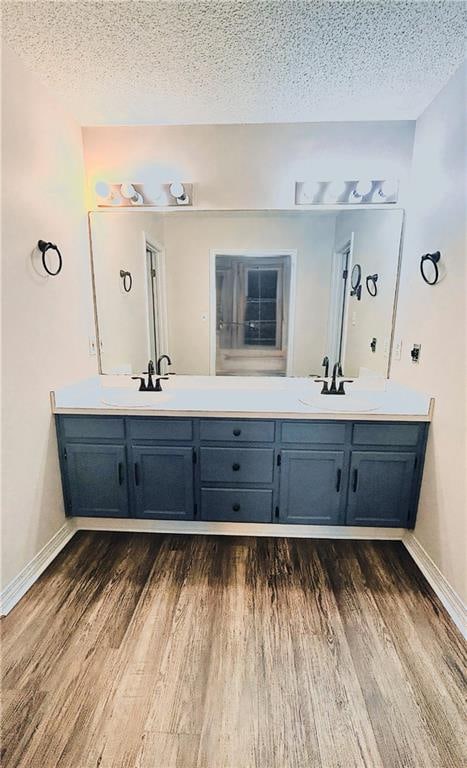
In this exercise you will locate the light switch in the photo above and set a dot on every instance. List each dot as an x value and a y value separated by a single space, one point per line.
415 353
398 350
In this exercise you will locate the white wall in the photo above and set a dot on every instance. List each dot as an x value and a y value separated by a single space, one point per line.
376 245
45 321
118 243
435 318
248 166
188 239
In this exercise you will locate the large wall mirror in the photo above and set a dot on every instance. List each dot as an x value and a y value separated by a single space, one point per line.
246 292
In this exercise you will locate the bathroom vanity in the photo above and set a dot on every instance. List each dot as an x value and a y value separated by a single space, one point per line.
297 465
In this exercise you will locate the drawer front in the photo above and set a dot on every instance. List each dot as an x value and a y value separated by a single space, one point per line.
158 429
317 434
237 431
240 506
89 427
386 434
237 465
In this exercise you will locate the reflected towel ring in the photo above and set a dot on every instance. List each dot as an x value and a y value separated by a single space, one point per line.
356 281
371 280
44 247
430 258
127 280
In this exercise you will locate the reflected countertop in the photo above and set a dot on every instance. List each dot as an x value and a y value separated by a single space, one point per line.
244 397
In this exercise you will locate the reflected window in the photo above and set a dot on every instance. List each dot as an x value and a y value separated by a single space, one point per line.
252 298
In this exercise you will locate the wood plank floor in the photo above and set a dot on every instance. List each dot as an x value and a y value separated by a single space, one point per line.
161 651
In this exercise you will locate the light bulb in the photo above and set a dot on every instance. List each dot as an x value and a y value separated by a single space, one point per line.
137 199
363 188
102 189
128 191
177 189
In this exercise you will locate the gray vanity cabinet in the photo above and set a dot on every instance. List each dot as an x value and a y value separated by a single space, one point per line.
97 479
312 486
242 470
162 482
380 490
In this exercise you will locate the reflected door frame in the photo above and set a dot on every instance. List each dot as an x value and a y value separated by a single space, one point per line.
156 282
213 253
338 317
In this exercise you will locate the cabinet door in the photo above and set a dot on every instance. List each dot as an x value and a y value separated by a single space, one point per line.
97 480
380 488
311 486
163 482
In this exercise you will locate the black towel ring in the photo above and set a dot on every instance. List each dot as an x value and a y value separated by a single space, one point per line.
127 280
433 259
371 280
44 247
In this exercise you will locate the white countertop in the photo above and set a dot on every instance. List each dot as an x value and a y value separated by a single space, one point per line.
245 397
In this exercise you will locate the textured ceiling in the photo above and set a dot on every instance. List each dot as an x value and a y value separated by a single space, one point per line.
210 61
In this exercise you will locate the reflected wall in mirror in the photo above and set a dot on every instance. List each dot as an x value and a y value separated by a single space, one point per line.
245 292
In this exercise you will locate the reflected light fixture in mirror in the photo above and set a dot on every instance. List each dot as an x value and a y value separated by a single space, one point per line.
351 191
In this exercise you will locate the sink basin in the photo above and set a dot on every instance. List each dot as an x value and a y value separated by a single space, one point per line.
126 399
339 403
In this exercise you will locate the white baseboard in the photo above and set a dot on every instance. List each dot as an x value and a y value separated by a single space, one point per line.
15 590
238 529
447 595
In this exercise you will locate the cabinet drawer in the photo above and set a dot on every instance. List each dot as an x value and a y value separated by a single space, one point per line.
237 431
232 505
237 465
160 429
332 433
89 427
386 434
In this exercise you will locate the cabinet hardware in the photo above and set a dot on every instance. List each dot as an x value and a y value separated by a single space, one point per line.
136 473
355 480
279 459
235 467
65 454
276 512
236 507
120 473
338 480
195 458
195 510
237 432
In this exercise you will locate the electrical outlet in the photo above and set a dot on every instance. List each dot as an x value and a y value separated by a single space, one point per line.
92 346
398 350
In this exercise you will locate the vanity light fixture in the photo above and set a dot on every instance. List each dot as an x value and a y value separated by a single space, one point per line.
126 194
349 192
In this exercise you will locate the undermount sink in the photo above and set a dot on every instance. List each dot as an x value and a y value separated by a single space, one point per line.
131 399
339 403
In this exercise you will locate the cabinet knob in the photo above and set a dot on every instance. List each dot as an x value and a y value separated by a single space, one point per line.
237 432
236 507
235 467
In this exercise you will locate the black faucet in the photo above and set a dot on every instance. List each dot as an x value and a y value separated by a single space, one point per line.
325 365
151 385
333 390
158 365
